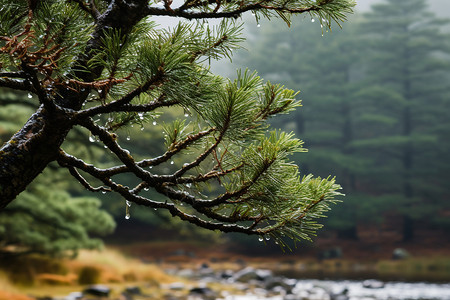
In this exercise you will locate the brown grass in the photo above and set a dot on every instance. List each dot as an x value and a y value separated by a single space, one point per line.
33 276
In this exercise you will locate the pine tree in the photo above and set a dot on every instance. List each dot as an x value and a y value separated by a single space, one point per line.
376 101
104 65
407 66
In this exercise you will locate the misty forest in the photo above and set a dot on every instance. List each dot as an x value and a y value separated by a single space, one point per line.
245 150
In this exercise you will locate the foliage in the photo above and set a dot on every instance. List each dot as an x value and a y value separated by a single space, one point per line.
103 68
53 223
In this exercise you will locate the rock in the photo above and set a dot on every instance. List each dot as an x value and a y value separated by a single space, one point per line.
133 290
177 286
186 273
278 282
97 290
373 284
343 295
248 274
226 274
74 296
399 253
204 293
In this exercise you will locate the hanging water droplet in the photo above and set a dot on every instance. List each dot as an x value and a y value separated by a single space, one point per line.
267 238
154 123
172 162
91 138
128 138
146 189
103 192
127 209
30 96
150 167
312 20
258 25
185 165
142 128
260 239
155 209
141 115
186 115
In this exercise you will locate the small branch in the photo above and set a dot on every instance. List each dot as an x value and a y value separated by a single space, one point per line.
19 74
90 8
73 171
120 104
181 11
124 156
21 85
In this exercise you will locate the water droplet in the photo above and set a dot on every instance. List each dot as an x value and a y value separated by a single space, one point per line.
172 162
105 146
141 115
150 167
154 123
185 165
260 239
186 115
91 138
259 25
128 138
30 96
267 238
142 128
103 192
312 20
155 209
146 189
127 209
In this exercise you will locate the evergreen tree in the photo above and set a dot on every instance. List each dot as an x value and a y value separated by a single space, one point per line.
407 67
376 97
103 65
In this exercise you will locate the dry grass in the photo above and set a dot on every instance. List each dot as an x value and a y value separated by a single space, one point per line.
108 266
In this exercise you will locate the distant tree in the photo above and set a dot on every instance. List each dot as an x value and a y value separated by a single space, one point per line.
407 66
376 99
103 65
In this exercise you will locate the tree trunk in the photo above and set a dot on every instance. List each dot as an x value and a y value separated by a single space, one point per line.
29 151
33 147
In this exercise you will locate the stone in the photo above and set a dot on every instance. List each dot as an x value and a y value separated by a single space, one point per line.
97 290
248 274
133 290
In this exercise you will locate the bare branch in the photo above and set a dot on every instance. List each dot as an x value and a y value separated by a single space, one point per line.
181 11
21 85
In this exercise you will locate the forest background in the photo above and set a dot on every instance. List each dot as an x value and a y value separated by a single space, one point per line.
382 131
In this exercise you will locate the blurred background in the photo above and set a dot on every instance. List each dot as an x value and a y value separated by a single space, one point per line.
375 115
